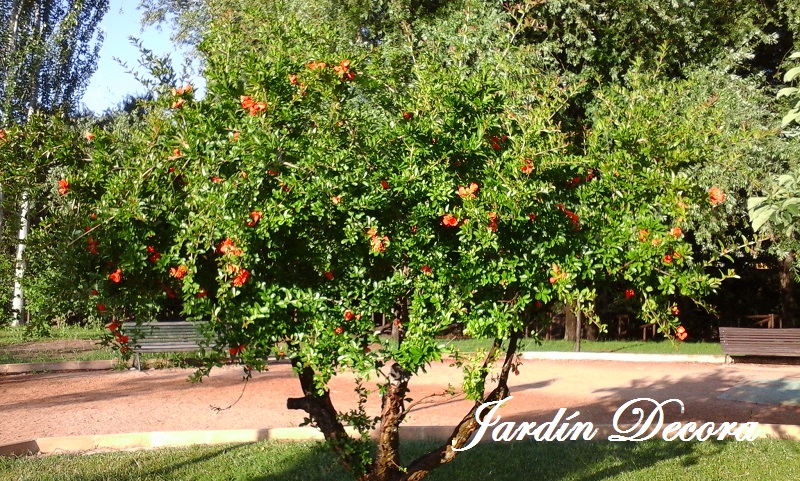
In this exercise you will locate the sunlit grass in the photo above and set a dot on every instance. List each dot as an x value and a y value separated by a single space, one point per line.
763 460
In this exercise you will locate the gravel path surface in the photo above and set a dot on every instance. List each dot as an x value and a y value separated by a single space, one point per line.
80 403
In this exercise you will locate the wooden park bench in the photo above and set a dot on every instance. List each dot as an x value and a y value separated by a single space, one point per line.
745 341
162 337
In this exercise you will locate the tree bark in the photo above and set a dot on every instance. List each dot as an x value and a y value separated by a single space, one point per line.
323 415
789 302
570 322
18 303
423 465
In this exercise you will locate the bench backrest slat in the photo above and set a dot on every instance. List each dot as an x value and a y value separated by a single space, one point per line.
744 341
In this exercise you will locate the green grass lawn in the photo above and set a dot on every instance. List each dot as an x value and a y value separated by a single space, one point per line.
763 460
639 347
75 344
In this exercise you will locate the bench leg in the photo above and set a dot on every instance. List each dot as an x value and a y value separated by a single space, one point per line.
137 361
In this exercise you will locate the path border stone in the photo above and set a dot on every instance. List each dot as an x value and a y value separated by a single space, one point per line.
154 440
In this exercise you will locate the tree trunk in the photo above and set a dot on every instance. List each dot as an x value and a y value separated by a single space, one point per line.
578 328
18 304
570 323
789 303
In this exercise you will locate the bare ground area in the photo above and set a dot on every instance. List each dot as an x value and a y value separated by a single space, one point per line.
80 403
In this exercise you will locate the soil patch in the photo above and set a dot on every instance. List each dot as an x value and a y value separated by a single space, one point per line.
51 350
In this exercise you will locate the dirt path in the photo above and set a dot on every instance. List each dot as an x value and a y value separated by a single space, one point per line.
79 403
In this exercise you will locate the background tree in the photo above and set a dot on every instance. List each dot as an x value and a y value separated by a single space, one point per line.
48 50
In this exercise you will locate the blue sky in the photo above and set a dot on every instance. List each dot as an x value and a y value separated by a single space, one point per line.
110 83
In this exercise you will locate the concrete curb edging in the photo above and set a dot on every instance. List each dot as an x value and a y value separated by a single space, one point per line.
102 365
622 356
152 440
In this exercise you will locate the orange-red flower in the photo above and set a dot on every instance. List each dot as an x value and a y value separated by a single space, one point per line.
93 246
237 350
408 115
493 221
338 330
348 315
2 134
427 270
113 325
216 179
254 107
183 90
255 216
329 275
101 307
202 293
178 103
449 220
178 272
385 184
317 65
89 136
63 185
681 333
527 167
468 191
643 235
95 293
293 79
716 196
116 276
122 339
629 293
676 232
240 278
336 199
176 153
668 259
532 217
227 247
675 310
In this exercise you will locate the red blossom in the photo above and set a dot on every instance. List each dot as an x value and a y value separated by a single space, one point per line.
527 167
668 259
681 333
329 275
202 293
532 217
178 272
227 247
112 326
629 293
235 351
676 232
216 179
178 103
408 115
675 310
116 276
89 136
427 270
101 307
468 191
449 220
385 184
643 235
348 315
241 278
63 185
336 199
293 79
255 216
716 196
95 293
338 330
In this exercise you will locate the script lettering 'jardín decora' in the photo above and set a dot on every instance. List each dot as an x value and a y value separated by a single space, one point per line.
645 427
